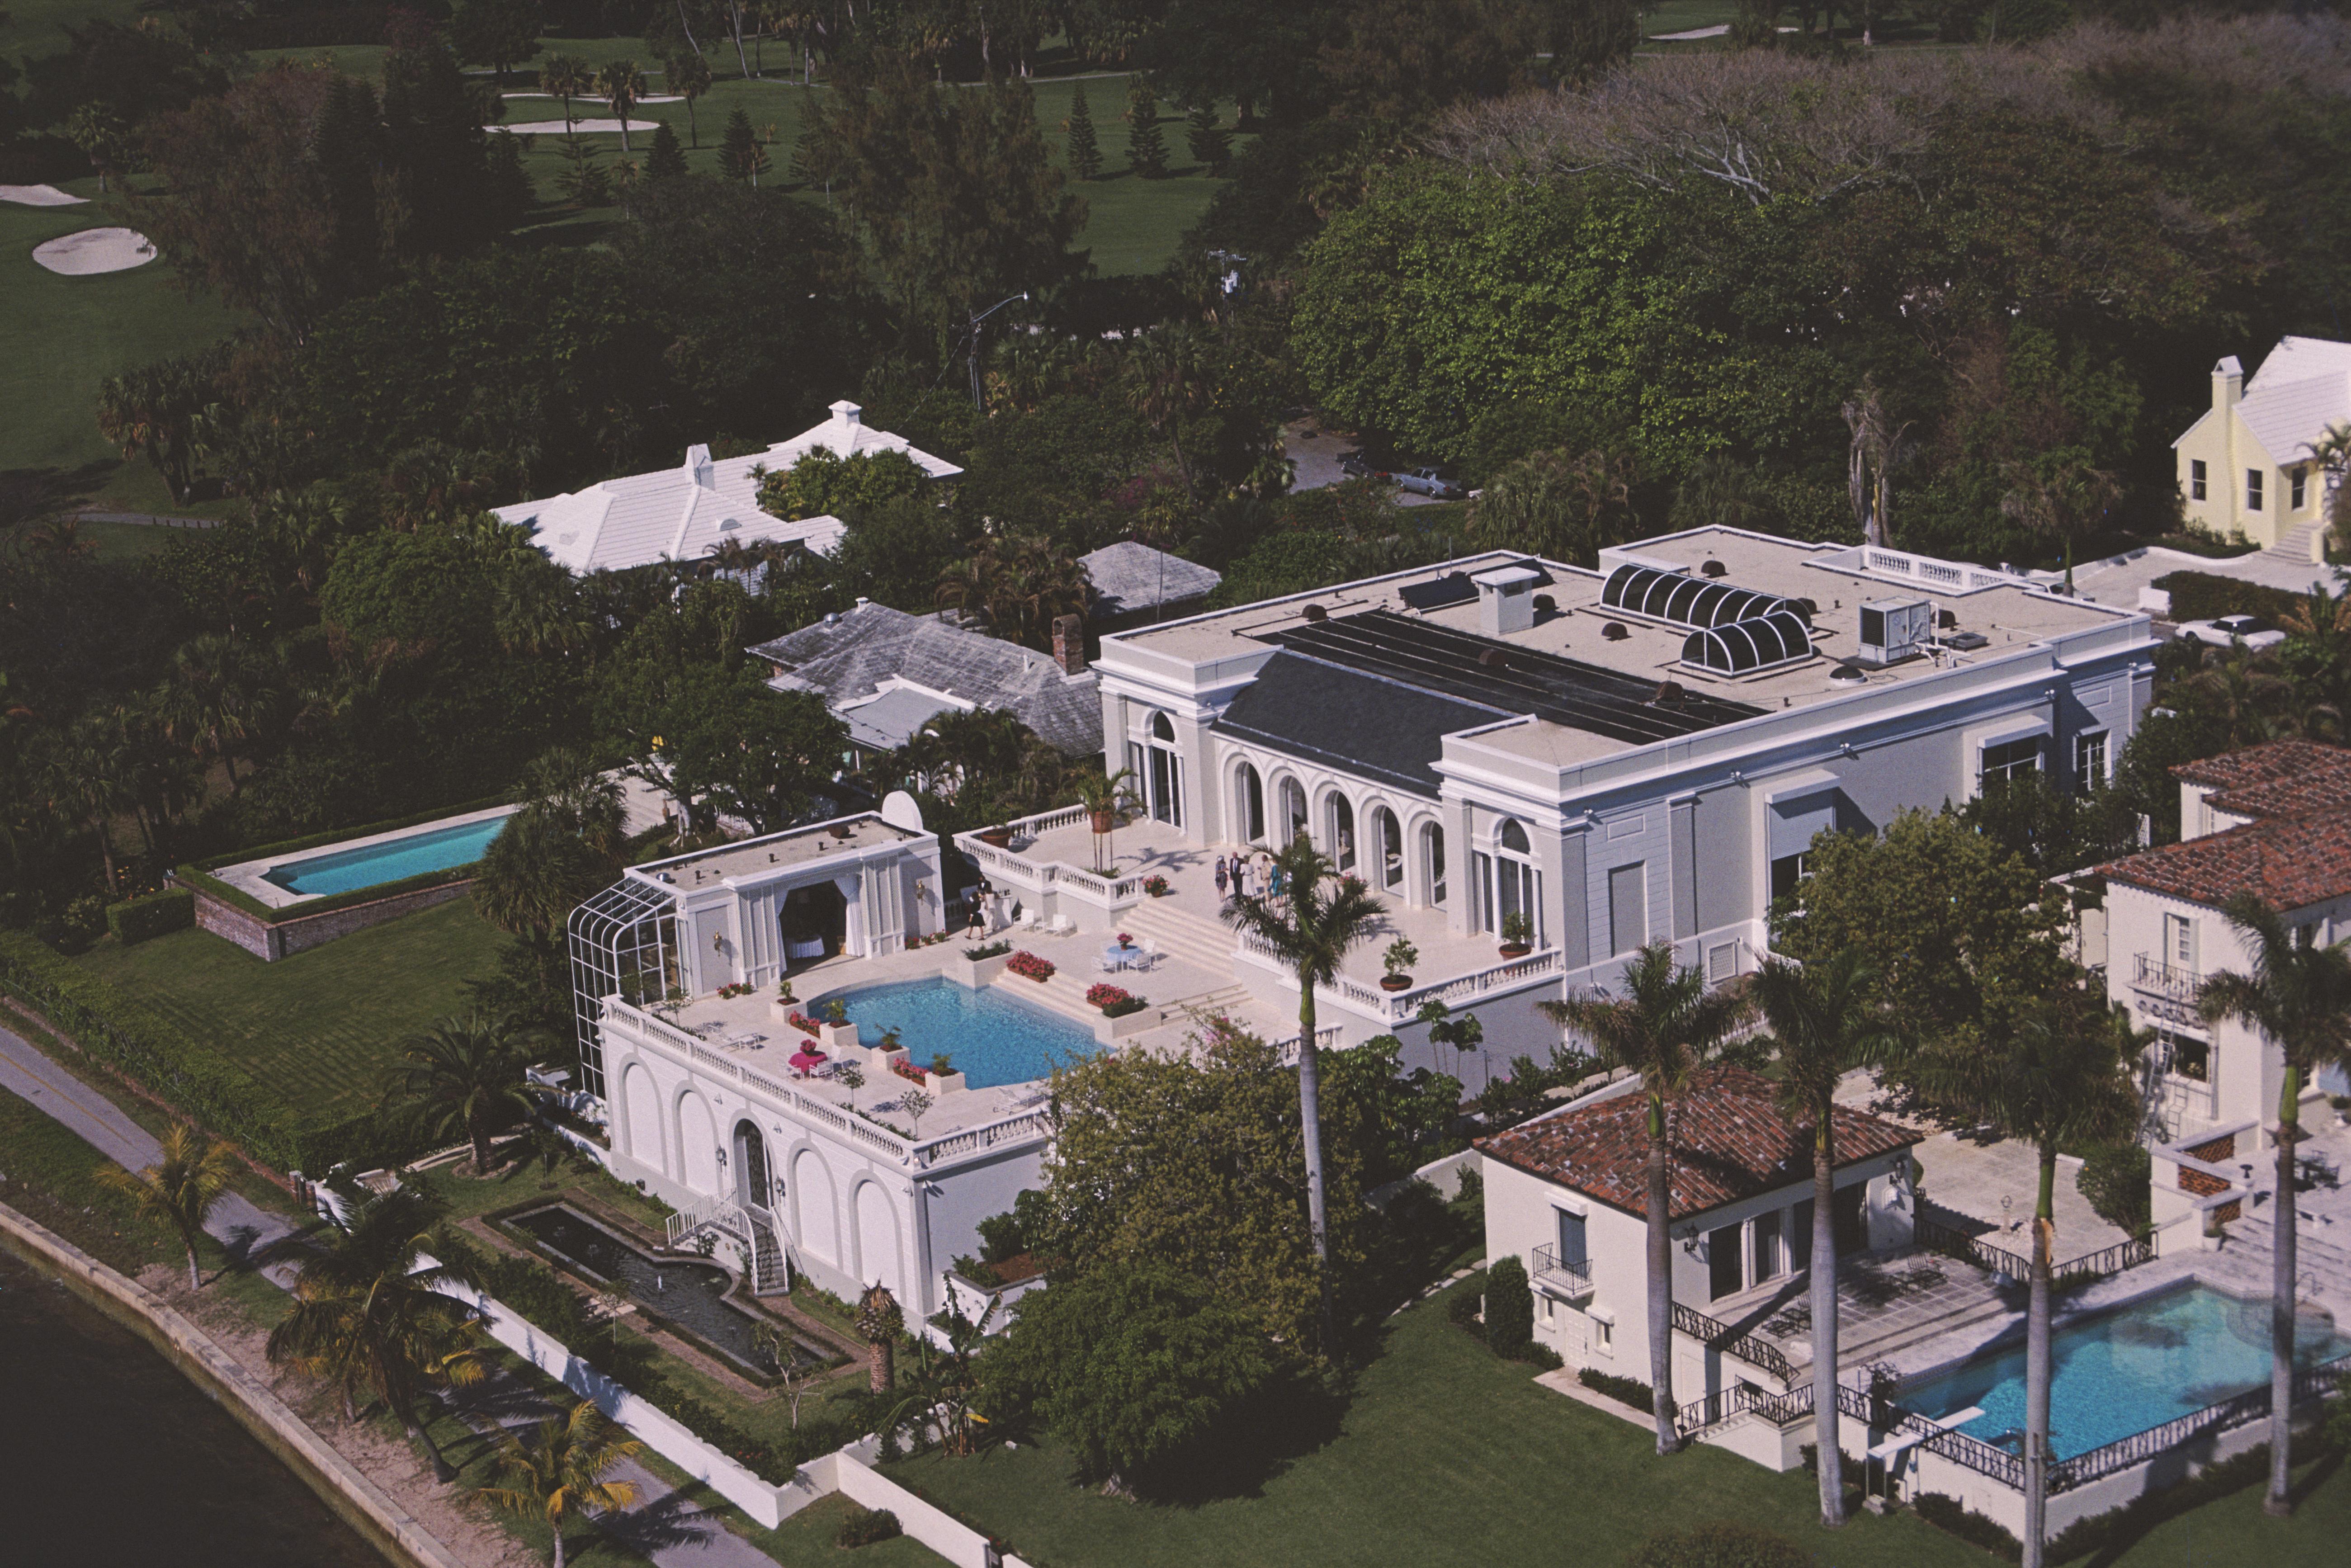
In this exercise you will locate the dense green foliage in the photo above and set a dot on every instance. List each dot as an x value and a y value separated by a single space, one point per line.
137 919
1509 1309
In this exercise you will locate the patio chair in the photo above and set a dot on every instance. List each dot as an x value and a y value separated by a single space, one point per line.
1102 962
1062 925
1150 954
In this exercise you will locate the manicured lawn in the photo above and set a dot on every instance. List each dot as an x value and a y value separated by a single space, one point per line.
59 337
1446 1455
323 1026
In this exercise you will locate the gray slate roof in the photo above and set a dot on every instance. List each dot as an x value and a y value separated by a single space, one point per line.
844 660
1129 577
893 718
1372 727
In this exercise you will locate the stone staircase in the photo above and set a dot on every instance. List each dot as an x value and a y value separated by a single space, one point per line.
2322 1256
1193 938
2295 547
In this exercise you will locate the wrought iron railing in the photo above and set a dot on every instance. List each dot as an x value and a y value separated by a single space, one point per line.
1720 1336
2169 979
1573 1275
1883 1414
2310 1383
1952 1241
1744 1399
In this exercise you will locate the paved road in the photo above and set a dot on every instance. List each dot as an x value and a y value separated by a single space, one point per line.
665 1525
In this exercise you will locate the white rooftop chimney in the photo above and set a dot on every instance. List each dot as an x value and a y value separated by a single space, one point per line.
2228 383
1506 599
847 414
699 469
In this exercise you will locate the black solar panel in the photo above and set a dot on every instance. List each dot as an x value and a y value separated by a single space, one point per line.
1564 691
1454 588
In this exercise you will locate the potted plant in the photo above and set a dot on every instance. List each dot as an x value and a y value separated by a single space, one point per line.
1518 935
1104 795
999 837
1398 960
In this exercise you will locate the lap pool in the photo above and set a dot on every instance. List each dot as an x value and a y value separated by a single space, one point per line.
2124 1371
991 1039
436 846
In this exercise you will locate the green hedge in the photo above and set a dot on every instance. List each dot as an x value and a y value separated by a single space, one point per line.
216 1092
2201 596
337 835
202 877
137 919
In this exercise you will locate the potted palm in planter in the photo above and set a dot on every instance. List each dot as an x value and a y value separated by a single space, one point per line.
1398 960
1518 935
1104 795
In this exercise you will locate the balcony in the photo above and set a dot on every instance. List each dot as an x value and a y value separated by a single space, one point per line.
2154 975
1567 1278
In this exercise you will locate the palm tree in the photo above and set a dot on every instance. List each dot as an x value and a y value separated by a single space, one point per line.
621 85
1825 1022
464 1078
536 873
2298 999
2058 1074
1312 932
1104 795
688 76
89 775
567 76
368 1313
563 1473
190 1175
2059 492
1666 1027
880 1319
207 703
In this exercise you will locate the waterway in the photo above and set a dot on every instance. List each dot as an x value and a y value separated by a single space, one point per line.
110 1457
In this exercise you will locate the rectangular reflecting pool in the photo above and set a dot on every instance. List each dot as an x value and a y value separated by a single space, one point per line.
2121 1372
428 848
991 1038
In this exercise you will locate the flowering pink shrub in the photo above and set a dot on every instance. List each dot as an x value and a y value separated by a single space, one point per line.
1105 995
1029 966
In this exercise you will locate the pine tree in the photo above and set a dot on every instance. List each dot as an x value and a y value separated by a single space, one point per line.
740 156
1147 145
586 182
1085 153
1207 140
667 159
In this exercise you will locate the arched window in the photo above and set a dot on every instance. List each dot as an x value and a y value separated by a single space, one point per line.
1252 806
1293 811
1342 832
1163 773
1432 853
1387 850
1508 882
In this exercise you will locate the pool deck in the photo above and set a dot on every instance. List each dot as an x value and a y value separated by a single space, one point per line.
1180 996
251 878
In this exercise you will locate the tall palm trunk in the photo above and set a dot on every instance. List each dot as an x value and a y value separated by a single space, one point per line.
1309 1116
1830 1462
195 1277
2285 1237
2037 1369
417 1430
1661 1286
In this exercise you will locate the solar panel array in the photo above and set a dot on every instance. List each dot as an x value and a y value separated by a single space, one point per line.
1751 644
1685 601
1567 692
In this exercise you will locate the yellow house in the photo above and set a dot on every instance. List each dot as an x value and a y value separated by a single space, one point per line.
2247 465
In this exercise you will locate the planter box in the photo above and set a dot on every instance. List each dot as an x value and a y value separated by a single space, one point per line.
1109 1029
946 1083
878 1058
964 971
782 1011
837 1037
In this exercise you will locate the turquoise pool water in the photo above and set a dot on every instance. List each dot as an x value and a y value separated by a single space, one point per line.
2124 1371
411 854
990 1038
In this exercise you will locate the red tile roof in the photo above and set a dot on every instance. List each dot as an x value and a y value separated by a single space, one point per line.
1730 1142
2277 779
2290 863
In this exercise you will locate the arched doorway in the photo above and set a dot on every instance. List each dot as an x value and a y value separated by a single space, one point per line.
1432 855
1340 830
754 1182
1508 882
814 922
1293 813
1164 773
1251 814
1387 850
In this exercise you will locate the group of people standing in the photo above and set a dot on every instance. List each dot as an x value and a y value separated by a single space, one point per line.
1255 875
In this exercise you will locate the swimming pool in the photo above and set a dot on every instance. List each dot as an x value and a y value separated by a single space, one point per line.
430 848
990 1038
2124 1371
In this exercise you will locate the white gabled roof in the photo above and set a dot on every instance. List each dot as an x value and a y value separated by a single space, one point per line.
682 513
2304 387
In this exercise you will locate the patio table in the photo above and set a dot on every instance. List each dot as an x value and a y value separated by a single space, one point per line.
1118 957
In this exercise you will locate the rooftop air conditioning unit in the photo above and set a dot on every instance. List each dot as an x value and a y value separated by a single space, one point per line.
1892 630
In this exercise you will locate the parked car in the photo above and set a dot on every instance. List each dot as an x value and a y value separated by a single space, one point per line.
1429 482
1354 465
2227 631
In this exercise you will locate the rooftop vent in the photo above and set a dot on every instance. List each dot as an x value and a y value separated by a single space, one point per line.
1947 619
1492 659
1615 632
1892 630
1846 672
1669 694
1546 605
1316 612
1713 567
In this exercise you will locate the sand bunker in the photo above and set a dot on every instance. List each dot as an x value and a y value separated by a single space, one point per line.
583 97
40 196
96 250
607 126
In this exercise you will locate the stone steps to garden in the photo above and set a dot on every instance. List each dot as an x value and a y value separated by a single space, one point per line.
1181 934
2321 1259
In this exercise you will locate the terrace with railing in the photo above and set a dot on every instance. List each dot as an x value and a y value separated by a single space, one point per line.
1716 1336
1569 1276
1953 1241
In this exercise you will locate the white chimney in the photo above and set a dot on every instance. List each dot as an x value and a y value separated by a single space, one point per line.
1506 599
847 414
2227 383
699 469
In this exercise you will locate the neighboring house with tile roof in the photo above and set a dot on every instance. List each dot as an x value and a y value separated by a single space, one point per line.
886 674
1566 1194
684 513
2273 820
1135 583
2247 465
